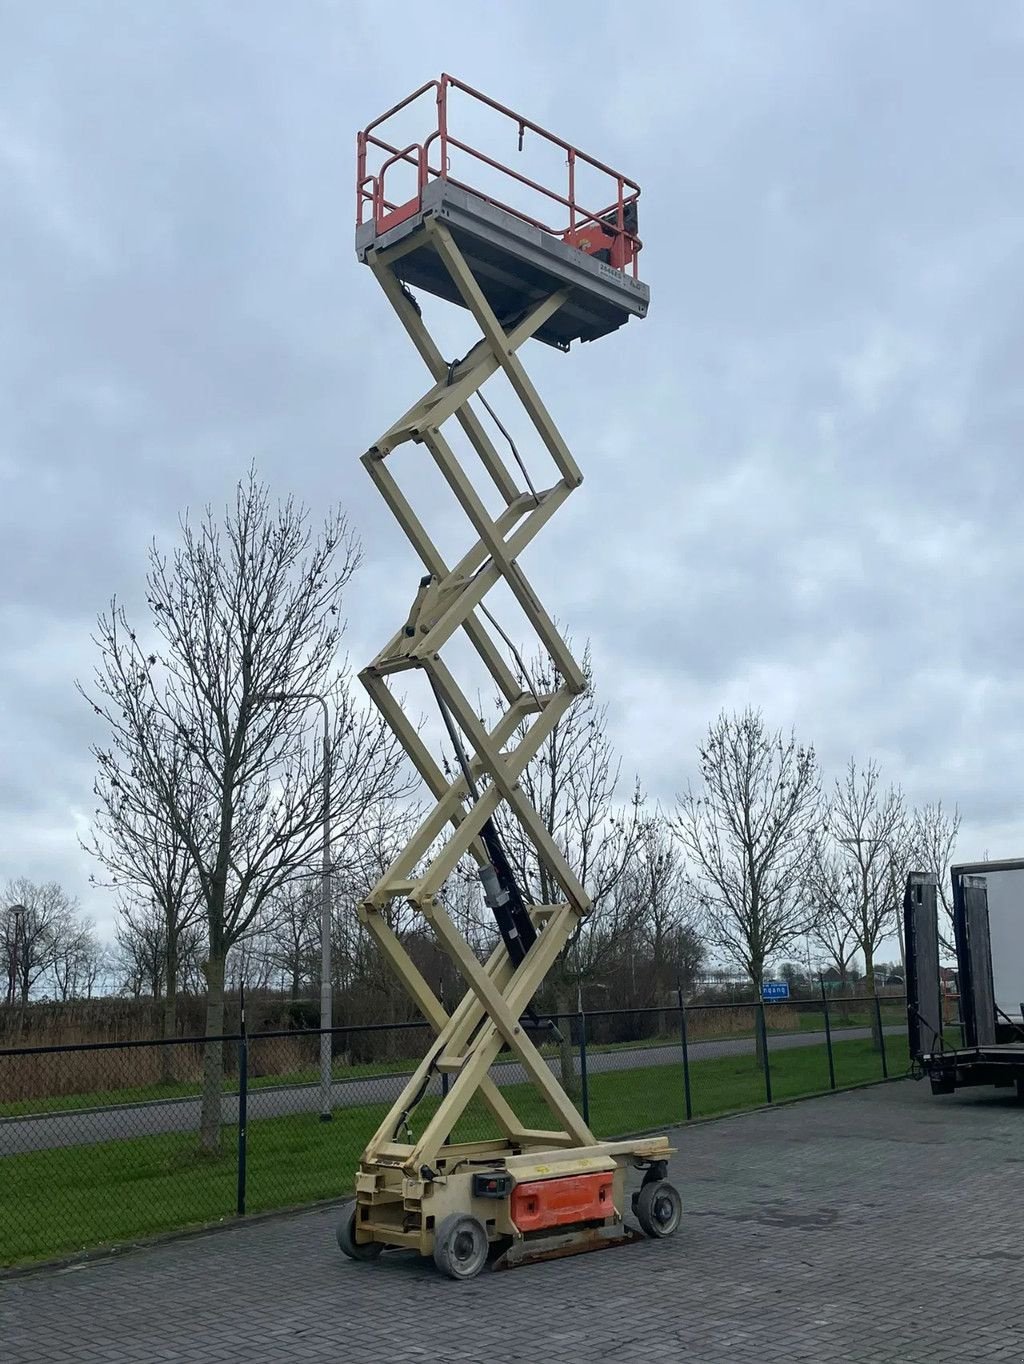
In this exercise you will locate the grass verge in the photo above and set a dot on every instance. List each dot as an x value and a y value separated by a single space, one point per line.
69 1199
191 1089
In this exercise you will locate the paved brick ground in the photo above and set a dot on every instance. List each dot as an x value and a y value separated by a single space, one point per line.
882 1225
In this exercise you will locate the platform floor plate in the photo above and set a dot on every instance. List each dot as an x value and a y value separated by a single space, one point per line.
515 264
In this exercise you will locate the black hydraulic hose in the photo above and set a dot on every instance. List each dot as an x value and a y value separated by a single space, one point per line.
500 889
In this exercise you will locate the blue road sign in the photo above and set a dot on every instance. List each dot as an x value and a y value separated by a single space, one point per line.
775 989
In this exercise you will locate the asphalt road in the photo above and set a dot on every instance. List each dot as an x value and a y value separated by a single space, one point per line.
83 1127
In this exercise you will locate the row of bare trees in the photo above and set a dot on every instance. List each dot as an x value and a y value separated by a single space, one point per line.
47 946
755 860
210 797
777 855
210 789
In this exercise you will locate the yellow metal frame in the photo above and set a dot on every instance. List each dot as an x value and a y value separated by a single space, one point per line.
392 1190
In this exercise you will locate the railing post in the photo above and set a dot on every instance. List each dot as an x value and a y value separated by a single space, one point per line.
881 1038
828 1035
584 1082
684 1042
243 1104
763 1029
442 122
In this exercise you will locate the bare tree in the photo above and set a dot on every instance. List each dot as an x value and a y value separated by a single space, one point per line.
76 961
144 853
934 835
141 941
462 896
667 950
361 861
239 614
749 832
574 784
358 963
832 896
868 825
291 935
34 940
900 859
250 964
143 956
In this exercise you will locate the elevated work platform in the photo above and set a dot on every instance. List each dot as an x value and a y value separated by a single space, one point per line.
516 258
524 1191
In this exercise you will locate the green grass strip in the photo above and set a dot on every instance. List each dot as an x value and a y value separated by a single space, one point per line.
69 1199
310 1075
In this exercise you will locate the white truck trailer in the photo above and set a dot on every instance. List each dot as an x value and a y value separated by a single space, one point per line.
986 1044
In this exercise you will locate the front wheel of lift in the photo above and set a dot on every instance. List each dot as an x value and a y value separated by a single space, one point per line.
460 1246
355 1250
659 1208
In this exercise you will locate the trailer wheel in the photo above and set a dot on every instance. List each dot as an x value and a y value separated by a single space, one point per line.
659 1208
355 1250
460 1246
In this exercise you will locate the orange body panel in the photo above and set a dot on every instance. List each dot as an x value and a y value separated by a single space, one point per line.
559 1202
613 248
590 239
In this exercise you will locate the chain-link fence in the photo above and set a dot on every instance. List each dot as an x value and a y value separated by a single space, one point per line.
110 1142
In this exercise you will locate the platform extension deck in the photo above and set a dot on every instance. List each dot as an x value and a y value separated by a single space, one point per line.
526 237
515 263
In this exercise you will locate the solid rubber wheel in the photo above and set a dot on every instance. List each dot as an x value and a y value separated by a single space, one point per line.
460 1246
355 1250
659 1208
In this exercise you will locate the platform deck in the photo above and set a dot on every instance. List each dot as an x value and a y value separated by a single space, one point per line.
515 263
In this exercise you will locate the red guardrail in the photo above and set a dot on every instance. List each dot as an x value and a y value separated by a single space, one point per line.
611 229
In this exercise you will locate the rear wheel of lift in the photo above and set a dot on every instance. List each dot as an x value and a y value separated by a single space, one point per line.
659 1208
460 1246
355 1250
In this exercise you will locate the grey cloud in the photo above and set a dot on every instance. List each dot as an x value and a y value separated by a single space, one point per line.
803 473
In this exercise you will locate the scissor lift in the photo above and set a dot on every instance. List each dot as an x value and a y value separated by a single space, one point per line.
529 1193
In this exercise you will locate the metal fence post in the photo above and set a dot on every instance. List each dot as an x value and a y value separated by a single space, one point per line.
445 1077
445 1082
686 1054
763 1028
881 1038
828 1034
243 1104
584 1081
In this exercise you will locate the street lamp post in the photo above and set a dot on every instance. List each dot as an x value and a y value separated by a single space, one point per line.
326 1005
17 912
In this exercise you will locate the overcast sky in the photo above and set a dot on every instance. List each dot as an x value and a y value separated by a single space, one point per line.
803 471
